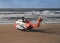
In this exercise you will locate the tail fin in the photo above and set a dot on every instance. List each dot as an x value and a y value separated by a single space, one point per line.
39 21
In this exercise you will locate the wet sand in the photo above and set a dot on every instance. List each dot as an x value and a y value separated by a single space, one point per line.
48 33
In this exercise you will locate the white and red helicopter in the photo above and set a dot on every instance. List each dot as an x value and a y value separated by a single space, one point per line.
25 24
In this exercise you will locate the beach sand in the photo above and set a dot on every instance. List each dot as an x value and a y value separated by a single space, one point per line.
48 33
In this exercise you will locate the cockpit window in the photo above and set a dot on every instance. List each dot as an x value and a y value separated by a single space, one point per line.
20 20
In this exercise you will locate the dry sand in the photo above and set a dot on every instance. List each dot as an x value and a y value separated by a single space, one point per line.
49 33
